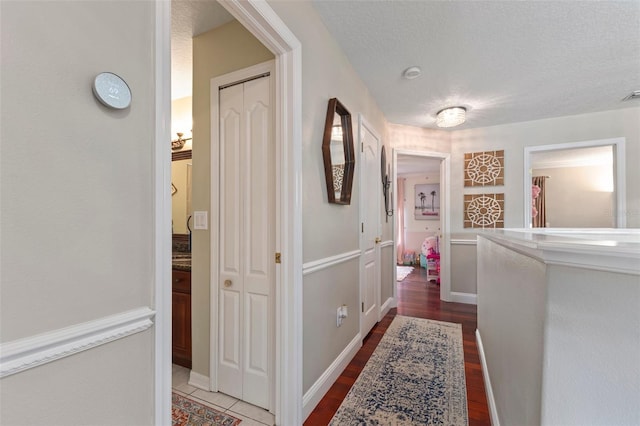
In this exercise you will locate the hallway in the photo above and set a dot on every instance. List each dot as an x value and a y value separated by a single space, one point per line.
416 298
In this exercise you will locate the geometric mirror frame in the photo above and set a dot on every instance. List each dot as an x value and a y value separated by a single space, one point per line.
338 153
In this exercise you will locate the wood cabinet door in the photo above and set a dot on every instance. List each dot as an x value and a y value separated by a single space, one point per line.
181 318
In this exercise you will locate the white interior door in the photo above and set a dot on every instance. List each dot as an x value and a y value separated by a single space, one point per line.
370 189
246 232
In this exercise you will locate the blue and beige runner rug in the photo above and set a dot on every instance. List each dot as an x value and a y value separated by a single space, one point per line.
414 377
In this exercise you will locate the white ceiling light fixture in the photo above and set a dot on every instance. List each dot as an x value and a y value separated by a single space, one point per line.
451 117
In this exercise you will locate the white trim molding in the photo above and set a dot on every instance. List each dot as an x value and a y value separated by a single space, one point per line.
468 298
491 400
199 381
386 306
388 243
22 354
610 250
463 242
162 215
327 262
315 393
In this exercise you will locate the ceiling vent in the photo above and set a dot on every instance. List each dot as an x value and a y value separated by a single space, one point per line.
634 95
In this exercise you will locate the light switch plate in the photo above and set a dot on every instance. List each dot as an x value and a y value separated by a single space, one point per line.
200 220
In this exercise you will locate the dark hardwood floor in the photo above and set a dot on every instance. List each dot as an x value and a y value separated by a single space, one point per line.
416 298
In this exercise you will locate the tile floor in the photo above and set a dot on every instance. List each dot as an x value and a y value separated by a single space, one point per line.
249 414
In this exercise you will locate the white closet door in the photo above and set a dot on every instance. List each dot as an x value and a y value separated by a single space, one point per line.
247 195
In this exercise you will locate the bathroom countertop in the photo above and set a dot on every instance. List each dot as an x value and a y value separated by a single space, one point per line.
181 262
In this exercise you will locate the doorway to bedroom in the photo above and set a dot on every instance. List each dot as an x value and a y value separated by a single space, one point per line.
420 222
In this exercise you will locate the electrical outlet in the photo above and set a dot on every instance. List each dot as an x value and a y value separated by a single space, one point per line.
341 314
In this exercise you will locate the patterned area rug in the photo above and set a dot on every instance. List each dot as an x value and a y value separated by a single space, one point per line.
414 377
402 272
187 412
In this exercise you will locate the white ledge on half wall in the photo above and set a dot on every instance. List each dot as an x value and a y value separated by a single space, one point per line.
610 249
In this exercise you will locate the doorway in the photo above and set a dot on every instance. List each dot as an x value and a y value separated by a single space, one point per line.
424 220
267 27
242 256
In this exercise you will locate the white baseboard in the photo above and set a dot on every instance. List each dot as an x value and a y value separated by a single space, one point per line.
20 355
386 306
199 381
313 396
493 411
468 298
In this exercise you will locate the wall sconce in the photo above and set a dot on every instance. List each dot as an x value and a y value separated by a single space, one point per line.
179 143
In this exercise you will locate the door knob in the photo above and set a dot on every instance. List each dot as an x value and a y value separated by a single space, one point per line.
228 283
378 240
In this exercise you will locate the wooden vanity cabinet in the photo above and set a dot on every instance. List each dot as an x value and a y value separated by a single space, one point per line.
181 302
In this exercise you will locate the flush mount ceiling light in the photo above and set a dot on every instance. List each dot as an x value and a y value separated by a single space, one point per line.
451 117
411 73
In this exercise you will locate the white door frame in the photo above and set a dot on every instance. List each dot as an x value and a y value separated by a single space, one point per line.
216 83
363 123
445 219
618 144
259 19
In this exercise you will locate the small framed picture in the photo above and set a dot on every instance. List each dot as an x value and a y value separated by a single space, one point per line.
427 201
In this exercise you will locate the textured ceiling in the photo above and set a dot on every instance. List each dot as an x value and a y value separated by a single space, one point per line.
190 18
506 61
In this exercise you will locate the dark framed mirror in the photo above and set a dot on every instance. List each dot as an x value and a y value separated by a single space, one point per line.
338 153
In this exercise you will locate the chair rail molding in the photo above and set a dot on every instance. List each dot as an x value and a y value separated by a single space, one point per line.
463 242
387 243
22 354
327 262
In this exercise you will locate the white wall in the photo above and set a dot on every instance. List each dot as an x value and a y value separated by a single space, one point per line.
591 348
579 197
77 187
511 309
514 137
558 325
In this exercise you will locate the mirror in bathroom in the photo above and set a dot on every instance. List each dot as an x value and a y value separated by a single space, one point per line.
338 153
180 191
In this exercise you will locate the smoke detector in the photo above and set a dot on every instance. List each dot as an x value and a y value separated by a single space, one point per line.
411 73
